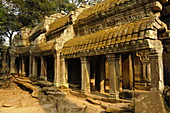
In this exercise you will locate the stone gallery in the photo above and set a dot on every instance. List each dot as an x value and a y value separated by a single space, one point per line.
113 47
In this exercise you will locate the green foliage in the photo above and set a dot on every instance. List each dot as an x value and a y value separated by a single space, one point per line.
8 22
15 14
31 12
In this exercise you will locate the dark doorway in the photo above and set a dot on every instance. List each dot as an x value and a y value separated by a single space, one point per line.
74 72
50 67
17 64
126 60
97 73
38 61
26 61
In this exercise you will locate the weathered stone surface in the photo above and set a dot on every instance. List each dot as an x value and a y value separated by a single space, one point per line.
151 102
51 19
35 92
49 89
44 83
35 89
12 102
118 107
104 105
61 94
93 101
91 109
167 95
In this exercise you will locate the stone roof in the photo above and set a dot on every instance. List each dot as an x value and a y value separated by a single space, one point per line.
58 23
100 7
49 46
113 7
37 30
120 34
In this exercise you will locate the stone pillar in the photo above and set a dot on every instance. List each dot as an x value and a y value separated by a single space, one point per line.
64 74
43 69
30 65
34 67
20 66
23 73
85 75
102 75
12 64
113 75
57 69
156 69
130 71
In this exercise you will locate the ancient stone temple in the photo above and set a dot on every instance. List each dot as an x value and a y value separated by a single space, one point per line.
112 47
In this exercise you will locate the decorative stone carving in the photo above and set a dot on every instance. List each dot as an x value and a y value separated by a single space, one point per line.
144 58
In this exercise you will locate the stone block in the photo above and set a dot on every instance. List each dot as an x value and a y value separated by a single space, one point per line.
44 83
151 102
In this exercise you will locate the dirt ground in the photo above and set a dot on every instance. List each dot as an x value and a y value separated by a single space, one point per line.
16 100
13 99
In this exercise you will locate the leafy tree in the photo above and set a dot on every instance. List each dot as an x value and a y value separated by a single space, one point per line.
31 12
8 23
15 14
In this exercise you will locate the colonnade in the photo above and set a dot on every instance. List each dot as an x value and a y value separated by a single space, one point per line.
152 70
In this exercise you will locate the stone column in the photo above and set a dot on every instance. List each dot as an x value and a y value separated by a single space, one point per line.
43 69
85 75
12 64
130 71
20 66
64 74
113 75
30 65
57 69
102 75
156 69
23 73
34 67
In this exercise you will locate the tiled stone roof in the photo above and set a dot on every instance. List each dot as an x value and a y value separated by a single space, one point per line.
100 7
137 30
58 23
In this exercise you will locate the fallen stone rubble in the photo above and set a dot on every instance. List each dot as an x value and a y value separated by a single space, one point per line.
65 100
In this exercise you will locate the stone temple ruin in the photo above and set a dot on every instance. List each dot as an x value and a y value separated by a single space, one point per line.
113 47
